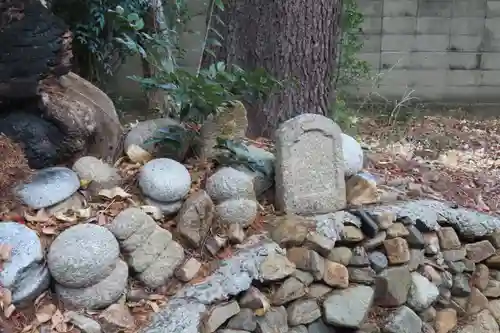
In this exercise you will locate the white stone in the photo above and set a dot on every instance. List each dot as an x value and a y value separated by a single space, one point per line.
353 155
422 293
164 180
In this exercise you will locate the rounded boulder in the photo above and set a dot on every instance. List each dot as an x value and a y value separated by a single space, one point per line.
83 255
165 180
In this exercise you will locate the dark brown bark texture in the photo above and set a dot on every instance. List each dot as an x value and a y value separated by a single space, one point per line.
295 41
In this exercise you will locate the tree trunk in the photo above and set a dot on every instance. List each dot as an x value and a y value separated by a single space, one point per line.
294 40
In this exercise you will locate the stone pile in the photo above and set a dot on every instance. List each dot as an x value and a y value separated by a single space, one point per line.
148 249
385 273
165 184
84 262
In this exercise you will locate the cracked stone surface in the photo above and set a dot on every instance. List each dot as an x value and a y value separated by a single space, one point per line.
183 312
430 212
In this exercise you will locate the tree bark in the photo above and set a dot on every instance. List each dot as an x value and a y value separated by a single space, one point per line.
295 41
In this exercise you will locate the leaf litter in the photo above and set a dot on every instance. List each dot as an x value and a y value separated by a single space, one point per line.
47 313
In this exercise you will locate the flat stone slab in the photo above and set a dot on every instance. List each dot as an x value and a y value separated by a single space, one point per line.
183 312
429 213
48 187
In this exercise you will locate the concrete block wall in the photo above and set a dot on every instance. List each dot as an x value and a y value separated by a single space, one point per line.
444 50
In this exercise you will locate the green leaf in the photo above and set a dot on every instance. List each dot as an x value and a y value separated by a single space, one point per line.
219 4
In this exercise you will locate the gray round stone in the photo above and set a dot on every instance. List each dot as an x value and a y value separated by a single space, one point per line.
239 211
228 183
48 187
83 255
164 180
378 261
99 295
25 274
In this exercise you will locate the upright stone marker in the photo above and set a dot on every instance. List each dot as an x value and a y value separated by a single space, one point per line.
309 166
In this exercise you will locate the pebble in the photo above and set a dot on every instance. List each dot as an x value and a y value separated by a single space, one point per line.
25 274
341 254
318 290
319 326
100 295
378 261
448 239
188 270
362 275
423 293
48 187
276 267
117 318
291 289
254 299
219 314
228 183
244 320
397 230
84 323
336 275
461 286
351 235
403 320
446 320
397 251
196 217
101 175
82 255
392 287
359 258
348 307
164 180
303 311
307 260
237 211
319 243
479 251
415 238
274 321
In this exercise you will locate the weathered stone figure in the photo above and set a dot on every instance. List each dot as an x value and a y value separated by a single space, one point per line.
309 166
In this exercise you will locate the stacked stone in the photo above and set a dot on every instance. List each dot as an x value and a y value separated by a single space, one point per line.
149 249
165 183
84 261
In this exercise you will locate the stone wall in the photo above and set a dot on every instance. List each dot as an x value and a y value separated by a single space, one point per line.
445 50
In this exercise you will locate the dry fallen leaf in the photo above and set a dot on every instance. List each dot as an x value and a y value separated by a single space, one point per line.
154 211
154 306
49 230
66 218
5 252
114 192
45 313
40 216
5 297
84 212
9 310
138 155
58 322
